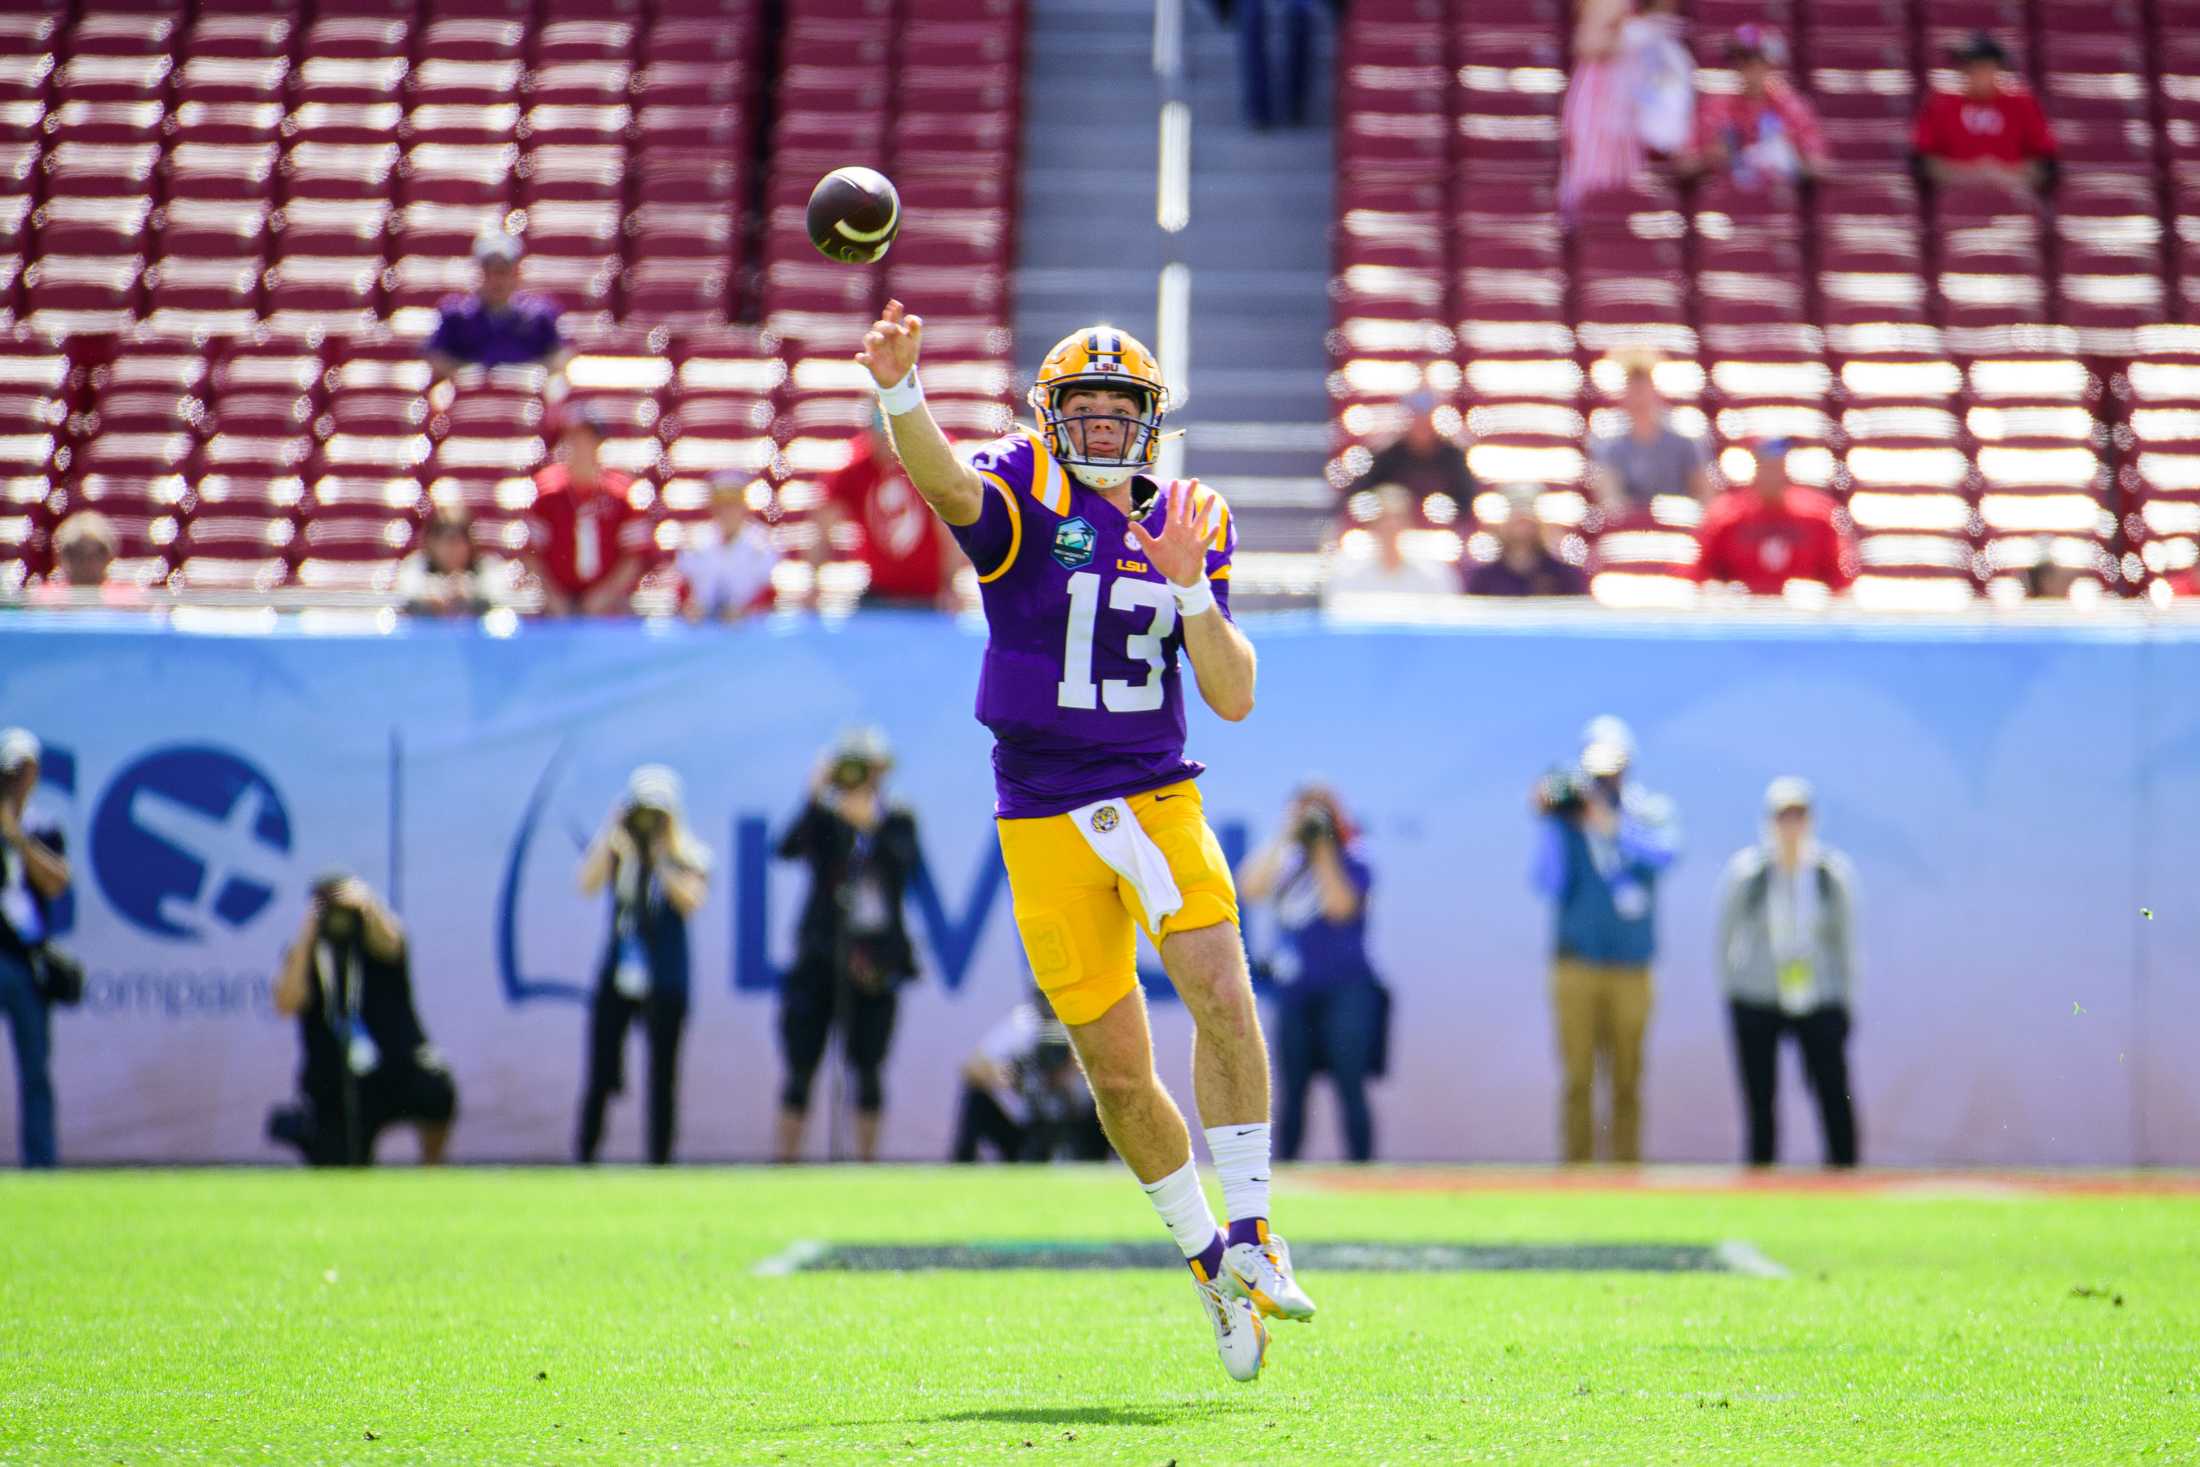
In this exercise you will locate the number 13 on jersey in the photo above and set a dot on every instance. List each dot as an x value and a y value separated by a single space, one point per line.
1117 695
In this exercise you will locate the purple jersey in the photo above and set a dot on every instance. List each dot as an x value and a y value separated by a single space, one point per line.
1080 686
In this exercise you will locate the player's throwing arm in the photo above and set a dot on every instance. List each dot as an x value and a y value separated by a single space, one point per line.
949 485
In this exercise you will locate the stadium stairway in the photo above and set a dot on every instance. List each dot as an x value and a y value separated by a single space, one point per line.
1249 264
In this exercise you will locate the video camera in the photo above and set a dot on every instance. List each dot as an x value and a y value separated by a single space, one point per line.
340 919
1563 792
644 823
1315 825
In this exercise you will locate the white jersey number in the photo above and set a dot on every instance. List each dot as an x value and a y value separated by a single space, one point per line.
1118 695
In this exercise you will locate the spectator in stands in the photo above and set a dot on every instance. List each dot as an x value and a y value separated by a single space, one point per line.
1627 470
1992 131
1787 960
1763 534
1266 97
84 545
911 557
1331 1012
658 876
588 544
1385 565
1525 565
1631 96
728 574
1765 134
449 575
34 873
2047 578
498 325
1606 842
1422 460
1024 1096
347 978
852 950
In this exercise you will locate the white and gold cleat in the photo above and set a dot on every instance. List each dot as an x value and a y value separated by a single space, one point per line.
1240 1337
1260 1274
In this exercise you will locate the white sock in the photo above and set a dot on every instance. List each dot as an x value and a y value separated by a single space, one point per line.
1241 1160
1182 1203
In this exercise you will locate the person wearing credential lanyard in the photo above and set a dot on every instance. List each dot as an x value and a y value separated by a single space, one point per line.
347 978
33 875
1787 933
1330 1009
658 875
852 950
1605 844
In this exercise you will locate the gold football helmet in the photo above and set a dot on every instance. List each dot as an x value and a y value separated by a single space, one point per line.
1101 357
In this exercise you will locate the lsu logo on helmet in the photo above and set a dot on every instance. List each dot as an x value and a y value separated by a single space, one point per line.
1114 360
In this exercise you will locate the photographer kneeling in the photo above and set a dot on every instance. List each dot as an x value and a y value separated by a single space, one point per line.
659 876
1330 1010
852 950
348 979
1024 1096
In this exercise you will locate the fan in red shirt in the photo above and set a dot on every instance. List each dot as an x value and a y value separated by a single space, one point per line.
587 543
1766 533
1991 131
911 556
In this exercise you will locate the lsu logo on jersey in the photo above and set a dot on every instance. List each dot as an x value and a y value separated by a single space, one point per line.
1103 819
1074 540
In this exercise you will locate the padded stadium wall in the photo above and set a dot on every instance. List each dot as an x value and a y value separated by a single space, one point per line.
2016 800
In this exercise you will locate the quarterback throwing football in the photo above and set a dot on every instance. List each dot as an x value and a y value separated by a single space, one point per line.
1097 580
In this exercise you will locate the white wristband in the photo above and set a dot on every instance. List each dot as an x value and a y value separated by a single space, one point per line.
1194 599
903 397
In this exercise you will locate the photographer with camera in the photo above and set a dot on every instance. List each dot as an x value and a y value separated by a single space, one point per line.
659 876
1605 843
34 974
1331 1012
852 949
347 978
1024 1096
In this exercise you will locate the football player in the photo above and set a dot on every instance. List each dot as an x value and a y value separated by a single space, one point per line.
1097 581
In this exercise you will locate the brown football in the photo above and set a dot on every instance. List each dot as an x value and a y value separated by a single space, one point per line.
854 215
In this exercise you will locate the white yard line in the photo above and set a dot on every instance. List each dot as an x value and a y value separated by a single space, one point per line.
1744 1258
795 1257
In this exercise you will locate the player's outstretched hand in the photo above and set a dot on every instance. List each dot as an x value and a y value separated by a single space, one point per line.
890 346
1180 550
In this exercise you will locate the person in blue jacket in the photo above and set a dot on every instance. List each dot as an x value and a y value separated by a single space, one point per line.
1603 846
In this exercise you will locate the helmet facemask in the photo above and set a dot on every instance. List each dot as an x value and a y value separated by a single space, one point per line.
1140 436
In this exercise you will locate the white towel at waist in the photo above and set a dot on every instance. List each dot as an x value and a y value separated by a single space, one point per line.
1116 837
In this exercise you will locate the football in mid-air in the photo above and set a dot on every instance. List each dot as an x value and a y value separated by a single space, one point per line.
854 215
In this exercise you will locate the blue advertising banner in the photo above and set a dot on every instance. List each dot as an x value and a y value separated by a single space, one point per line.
2022 804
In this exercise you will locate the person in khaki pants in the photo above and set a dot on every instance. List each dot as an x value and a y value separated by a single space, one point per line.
1604 844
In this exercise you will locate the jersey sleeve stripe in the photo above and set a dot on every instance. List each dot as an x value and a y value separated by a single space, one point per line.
1015 528
1049 485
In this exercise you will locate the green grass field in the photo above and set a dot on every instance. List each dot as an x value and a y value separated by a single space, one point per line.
562 1316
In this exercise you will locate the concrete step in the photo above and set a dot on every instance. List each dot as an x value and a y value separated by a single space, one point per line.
1248 493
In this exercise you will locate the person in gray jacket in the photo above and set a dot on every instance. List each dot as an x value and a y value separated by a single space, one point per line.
1786 953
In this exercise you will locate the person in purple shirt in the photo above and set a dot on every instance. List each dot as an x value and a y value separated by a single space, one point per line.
1525 565
1330 1009
1098 582
497 326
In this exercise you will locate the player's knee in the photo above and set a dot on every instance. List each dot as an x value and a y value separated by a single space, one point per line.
1214 986
870 1090
1119 1083
795 1094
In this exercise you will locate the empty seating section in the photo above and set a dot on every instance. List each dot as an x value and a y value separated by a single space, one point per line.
1983 384
228 226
